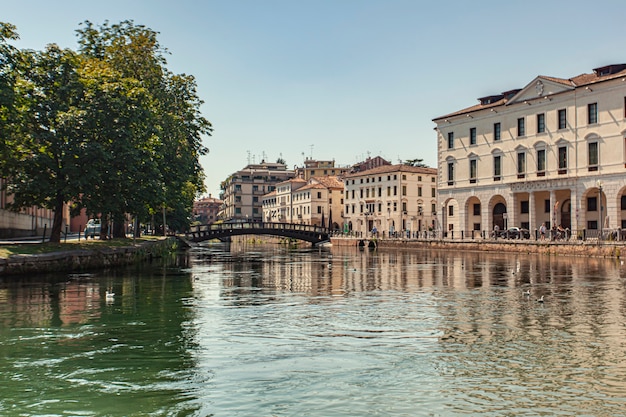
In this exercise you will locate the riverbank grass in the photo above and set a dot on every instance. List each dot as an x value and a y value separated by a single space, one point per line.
93 244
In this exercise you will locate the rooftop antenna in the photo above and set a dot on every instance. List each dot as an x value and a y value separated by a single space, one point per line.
311 156
248 157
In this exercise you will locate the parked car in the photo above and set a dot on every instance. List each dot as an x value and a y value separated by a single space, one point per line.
515 233
93 228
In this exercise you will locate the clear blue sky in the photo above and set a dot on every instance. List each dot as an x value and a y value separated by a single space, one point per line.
343 79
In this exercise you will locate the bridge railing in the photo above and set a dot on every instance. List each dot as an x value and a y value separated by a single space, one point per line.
254 226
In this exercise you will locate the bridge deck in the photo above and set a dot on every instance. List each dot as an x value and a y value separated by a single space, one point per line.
313 234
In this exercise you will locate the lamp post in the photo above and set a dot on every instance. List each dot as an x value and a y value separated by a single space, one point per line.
443 218
599 183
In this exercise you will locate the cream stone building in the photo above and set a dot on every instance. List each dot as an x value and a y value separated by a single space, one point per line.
317 201
391 199
242 191
552 152
318 168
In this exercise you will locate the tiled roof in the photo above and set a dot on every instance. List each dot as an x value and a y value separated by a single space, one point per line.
311 187
329 181
581 80
384 169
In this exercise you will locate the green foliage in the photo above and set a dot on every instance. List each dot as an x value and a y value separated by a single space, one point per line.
415 163
108 128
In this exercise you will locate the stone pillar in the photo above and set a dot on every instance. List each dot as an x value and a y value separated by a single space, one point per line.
553 220
531 214
575 207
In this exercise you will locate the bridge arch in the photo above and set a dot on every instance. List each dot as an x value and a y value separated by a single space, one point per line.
309 233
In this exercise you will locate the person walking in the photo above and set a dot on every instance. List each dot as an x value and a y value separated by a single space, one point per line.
542 231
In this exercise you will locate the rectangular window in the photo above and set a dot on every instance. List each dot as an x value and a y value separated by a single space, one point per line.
450 211
450 140
472 136
592 113
473 170
562 160
496 131
523 207
593 156
433 192
433 209
541 162
404 190
450 173
477 209
419 191
395 190
404 206
497 167
546 206
592 204
541 123
562 119
521 127
521 164
623 203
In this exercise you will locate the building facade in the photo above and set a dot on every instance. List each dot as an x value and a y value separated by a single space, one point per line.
206 210
318 168
317 202
391 199
552 152
242 192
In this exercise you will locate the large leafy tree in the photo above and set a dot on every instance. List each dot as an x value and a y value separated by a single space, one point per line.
155 162
107 128
10 127
45 168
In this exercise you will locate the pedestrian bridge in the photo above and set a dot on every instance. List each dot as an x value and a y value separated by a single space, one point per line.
222 231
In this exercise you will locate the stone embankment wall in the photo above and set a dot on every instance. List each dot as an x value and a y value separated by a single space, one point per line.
81 260
588 249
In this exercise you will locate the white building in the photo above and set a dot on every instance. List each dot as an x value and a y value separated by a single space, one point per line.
391 199
552 152
317 201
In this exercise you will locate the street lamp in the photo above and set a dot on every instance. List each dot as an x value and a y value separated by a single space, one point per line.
443 217
599 183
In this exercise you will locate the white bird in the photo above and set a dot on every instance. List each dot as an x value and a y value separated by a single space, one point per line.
540 300
109 295
527 293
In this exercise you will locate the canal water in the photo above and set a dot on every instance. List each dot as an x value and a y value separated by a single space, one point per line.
256 330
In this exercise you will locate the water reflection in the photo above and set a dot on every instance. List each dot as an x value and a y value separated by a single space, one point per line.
266 331
496 350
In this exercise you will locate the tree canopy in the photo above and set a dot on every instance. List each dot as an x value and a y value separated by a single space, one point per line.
106 128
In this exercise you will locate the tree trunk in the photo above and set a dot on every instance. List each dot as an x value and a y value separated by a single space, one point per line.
118 229
57 222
